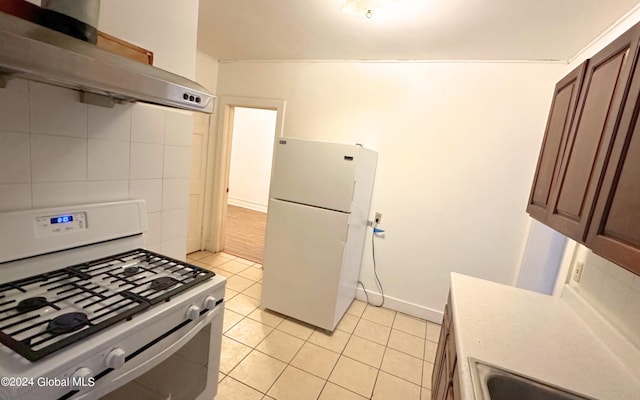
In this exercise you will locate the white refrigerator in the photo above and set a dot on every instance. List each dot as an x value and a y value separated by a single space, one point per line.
319 203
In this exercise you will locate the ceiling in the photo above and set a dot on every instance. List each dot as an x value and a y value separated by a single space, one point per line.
413 30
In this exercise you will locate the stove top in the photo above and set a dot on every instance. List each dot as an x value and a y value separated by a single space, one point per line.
47 312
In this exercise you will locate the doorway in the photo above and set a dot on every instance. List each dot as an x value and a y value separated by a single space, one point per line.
252 137
225 193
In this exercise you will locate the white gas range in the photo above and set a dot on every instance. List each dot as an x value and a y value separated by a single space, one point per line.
87 313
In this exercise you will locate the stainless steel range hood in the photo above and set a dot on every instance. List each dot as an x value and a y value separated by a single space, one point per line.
33 52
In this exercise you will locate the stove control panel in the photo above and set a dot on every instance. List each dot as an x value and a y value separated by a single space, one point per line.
59 224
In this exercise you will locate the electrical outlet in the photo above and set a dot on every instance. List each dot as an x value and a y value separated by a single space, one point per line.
577 271
378 217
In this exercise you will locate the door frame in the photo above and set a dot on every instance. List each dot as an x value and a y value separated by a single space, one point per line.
218 163
204 151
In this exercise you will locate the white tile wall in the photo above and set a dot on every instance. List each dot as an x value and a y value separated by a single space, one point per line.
98 191
178 128
173 246
177 161
154 219
150 190
612 290
59 193
146 160
14 158
108 159
55 150
58 158
15 196
110 123
175 194
154 247
172 225
56 111
147 124
14 106
630 315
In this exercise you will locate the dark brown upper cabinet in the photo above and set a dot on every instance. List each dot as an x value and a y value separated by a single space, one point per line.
597 117
587 183
563 107
614 231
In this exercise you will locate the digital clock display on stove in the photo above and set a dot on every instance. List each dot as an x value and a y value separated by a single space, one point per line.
62 219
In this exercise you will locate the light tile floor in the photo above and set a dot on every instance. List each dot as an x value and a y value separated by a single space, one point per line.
375 353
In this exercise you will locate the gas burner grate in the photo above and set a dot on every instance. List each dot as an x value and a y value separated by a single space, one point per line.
42 314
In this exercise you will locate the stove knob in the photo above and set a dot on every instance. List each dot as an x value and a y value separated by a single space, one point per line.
80 378
193 312
209 303
115 359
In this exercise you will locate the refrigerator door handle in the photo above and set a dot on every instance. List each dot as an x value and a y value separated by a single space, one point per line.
353 191
346 233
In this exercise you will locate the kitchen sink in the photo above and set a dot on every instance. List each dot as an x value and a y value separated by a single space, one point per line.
491 382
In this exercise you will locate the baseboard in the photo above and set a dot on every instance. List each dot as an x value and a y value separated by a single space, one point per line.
402 306
247 204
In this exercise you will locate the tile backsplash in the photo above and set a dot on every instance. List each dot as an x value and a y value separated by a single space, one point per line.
55 150
613 291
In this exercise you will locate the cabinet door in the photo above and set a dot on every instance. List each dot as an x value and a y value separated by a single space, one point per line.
597 117
563 107
439 392
455 381
614 232
440 376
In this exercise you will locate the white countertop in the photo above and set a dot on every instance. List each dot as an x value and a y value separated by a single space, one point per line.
535 335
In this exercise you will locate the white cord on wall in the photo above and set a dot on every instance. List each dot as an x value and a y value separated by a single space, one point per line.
375 271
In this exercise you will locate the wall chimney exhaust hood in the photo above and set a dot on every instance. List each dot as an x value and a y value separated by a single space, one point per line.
34 52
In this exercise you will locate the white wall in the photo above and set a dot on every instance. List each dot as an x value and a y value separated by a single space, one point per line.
166 27
207 71
169 31
541 258
251 157
55 150
207 76
458 143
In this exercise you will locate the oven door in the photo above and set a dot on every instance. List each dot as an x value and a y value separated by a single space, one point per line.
182 365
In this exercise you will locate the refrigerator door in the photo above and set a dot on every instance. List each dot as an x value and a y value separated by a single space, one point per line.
314 173
303 261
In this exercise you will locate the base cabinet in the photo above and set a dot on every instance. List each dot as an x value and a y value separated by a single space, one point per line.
445 384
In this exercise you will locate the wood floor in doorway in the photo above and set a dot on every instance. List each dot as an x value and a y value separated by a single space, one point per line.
244 236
